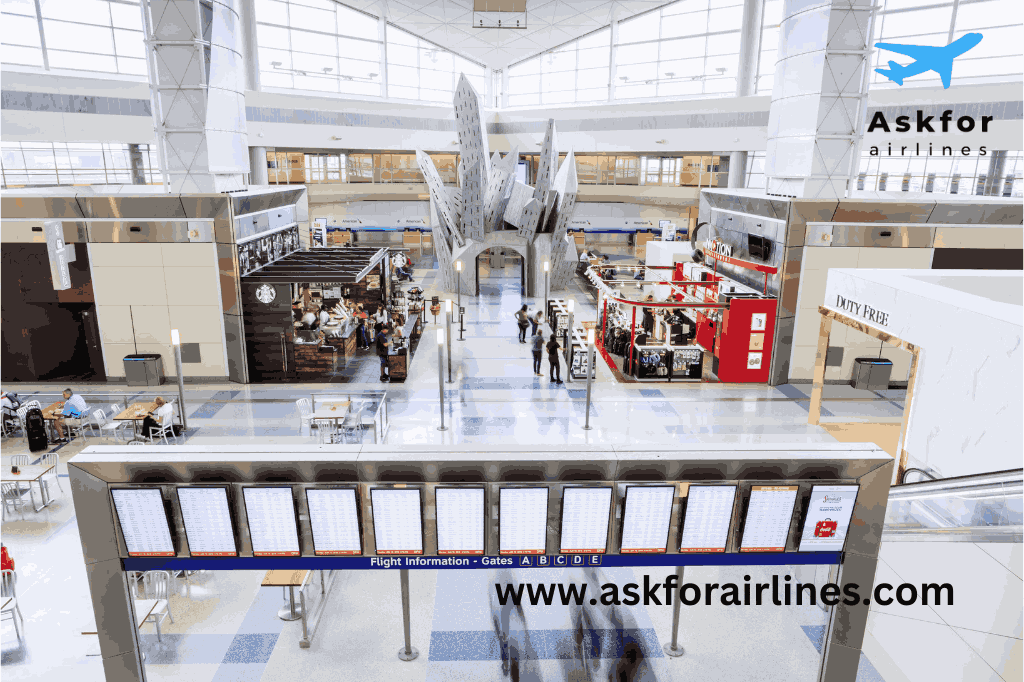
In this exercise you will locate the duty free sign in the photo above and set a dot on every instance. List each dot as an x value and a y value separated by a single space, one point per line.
862 310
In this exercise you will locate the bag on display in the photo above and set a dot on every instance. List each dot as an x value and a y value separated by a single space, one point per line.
825 529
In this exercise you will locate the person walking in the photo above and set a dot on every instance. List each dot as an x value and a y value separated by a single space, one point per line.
524 321
538 350
382 352
553 359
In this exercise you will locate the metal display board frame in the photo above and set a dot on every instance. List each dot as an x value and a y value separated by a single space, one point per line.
98 469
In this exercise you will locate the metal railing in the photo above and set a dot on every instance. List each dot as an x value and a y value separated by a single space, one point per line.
979 508
310 622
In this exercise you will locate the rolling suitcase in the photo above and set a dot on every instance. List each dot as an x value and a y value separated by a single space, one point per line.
35 430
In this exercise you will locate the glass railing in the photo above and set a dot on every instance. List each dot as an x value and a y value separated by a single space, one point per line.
981 508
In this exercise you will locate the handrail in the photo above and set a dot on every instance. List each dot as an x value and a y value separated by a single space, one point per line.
958 483
309 630
903 478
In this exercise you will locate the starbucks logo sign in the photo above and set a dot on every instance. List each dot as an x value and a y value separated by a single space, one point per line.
266 294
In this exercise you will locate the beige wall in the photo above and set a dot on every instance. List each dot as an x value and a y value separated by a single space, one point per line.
816 263
145 290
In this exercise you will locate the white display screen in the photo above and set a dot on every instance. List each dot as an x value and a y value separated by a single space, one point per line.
522 520
585 520
143 519
397 520
271 516
646 519
707 518
334 518
828 518
769 516
207 520
460 520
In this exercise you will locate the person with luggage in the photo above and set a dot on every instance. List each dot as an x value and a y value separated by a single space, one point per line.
538 350
523 319
554 359
74 408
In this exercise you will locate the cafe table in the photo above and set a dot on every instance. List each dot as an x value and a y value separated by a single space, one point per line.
291 580
30 473
51 414
135 413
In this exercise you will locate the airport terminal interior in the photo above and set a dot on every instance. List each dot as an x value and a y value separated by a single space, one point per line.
329 327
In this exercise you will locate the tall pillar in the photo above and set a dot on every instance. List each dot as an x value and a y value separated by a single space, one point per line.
746 76
258 174
138 167
197 77
816 119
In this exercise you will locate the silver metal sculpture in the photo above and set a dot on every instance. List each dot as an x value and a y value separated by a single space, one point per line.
492 209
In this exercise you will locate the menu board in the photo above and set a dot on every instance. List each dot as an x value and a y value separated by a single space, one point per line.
828 518
646 519
769 515
522 520
334 518
143 519
707 518
207 519
460 520
397 520
271 516
585 520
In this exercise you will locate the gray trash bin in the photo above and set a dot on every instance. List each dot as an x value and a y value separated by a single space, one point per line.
871 374
144 369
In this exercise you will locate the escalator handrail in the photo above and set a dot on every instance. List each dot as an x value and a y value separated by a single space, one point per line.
955 483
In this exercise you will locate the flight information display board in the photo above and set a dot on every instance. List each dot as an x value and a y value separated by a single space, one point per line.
646 519
271 516
207 520
707 518
143 520
334 519
585 518
460 520
828 518
522 520
397 520
769 515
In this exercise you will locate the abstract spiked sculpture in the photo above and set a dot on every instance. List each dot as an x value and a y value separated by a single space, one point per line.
492 209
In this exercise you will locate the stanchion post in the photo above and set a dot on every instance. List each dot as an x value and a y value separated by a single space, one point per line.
440 375
547 268
590 372
458 270
408 652
176 342
673 649
448 334
570 304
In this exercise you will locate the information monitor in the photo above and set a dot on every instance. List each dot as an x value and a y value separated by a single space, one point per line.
707 517
828 518
397 520
522 520
460 520
272 525
646 519
143 519
334 519
207 520
585 518
769 515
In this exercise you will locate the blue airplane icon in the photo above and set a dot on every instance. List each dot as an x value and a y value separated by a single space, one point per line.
927 58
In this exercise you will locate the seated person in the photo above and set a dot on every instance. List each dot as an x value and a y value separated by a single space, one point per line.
74 408
160 416
11 403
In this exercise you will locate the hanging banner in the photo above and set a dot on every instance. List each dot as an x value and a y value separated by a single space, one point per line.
57 251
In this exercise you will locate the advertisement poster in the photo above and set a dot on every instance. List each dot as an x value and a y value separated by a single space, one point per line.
828 518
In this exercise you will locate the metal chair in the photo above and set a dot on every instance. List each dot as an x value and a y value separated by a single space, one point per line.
8 589
13 495
109 427
20 460
305 415
51 460
352 427
157 585
164 429
326 432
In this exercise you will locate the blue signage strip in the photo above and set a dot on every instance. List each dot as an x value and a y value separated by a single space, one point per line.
470 562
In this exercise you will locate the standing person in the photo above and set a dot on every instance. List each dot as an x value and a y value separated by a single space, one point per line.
524 321
382 352
554 360
537 319
74 408
538 350
325 317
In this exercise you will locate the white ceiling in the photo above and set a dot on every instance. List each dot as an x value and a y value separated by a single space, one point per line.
549 24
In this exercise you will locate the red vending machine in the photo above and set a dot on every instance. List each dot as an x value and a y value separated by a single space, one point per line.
744 351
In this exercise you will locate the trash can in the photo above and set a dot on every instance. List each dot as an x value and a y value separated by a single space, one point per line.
871 374
144 369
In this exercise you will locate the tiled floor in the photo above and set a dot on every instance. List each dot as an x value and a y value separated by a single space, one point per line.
226 626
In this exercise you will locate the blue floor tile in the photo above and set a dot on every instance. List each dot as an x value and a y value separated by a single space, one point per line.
251 648
543 644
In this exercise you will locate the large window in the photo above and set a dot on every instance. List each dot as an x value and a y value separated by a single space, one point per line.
319 46
81 35
575 72
318 167
997 58
420 70
962 175
36 164
770 21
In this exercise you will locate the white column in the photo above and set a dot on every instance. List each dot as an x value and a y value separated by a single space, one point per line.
258 174
746 76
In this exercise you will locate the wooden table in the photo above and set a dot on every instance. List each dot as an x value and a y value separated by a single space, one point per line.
291 580
52 413
32 473
135 413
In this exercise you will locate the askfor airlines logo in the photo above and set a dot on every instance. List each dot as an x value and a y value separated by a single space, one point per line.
927 58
